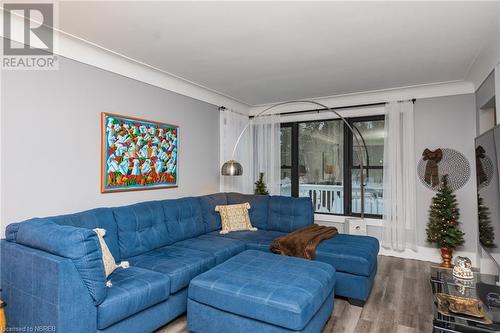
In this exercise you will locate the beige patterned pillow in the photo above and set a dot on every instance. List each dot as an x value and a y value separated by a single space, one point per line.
235 217
107 258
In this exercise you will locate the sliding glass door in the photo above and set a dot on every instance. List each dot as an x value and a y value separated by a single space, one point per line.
321 170
320 160
372 133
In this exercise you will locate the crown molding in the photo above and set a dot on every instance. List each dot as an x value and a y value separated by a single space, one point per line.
94 55
380 96
81 50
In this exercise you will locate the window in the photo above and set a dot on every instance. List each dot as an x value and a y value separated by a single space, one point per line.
320 160
286 160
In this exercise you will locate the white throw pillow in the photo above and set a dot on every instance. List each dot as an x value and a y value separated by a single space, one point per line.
107 258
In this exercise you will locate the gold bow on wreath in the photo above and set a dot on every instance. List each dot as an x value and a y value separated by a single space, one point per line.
431 176
481 175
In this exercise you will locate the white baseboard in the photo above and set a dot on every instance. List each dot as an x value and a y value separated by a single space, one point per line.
429 254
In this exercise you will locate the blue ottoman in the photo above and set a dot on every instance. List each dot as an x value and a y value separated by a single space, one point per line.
257 291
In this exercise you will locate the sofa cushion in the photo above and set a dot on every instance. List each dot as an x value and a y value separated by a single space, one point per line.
289 214
221 248
95 218
211 218
179 263
260 207
141 228
183 218
257 240
81 245
134 289
279 290
350 253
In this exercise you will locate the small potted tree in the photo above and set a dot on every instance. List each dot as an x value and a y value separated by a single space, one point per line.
443 226
260 186
486 230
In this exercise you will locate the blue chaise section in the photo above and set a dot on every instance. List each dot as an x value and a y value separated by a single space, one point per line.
48 263
355 259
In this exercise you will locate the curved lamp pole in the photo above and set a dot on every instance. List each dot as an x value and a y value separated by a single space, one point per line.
234 168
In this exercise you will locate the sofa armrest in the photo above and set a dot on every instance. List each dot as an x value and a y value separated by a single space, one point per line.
44 292
81 245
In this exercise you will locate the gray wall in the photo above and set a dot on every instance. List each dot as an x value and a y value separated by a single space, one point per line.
448 122
51 139
485 104
486 91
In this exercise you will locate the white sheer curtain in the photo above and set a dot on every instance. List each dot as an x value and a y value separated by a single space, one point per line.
497 91
266 158
399 177
231 125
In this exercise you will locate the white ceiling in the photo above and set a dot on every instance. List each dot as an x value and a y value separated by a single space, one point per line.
264 52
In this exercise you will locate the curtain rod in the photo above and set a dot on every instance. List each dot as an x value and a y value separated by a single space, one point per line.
222 108
336 108
319 110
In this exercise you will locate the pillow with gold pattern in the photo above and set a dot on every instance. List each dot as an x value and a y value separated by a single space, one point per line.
235 217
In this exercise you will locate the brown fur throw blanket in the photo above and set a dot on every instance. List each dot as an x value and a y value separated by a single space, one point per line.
302 243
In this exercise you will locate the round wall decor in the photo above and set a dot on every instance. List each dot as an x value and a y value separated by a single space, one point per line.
444 161
484 167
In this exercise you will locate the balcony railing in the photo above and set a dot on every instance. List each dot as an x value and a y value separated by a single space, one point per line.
330 198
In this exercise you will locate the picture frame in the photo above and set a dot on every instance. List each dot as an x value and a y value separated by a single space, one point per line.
138 154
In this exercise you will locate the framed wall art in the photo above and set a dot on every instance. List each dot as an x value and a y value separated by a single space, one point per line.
138 154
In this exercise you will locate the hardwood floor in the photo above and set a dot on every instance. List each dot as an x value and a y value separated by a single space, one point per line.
400 302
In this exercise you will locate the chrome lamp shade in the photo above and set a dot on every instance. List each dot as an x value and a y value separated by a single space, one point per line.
231 168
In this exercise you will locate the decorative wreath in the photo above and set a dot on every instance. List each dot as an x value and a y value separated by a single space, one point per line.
484 168
443 161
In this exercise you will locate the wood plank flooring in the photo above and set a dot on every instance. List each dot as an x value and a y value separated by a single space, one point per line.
400 302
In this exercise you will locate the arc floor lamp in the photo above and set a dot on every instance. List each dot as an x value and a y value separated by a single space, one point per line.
234 168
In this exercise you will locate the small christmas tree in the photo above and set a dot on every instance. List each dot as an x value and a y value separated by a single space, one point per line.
486 230
442 227
260 186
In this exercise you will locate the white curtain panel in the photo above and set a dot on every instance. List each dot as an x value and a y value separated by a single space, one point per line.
231 125
399 177
266 158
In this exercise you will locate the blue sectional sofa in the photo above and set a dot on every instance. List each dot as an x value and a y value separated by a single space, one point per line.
52 273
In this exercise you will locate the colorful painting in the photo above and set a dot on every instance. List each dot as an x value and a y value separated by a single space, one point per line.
138 154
